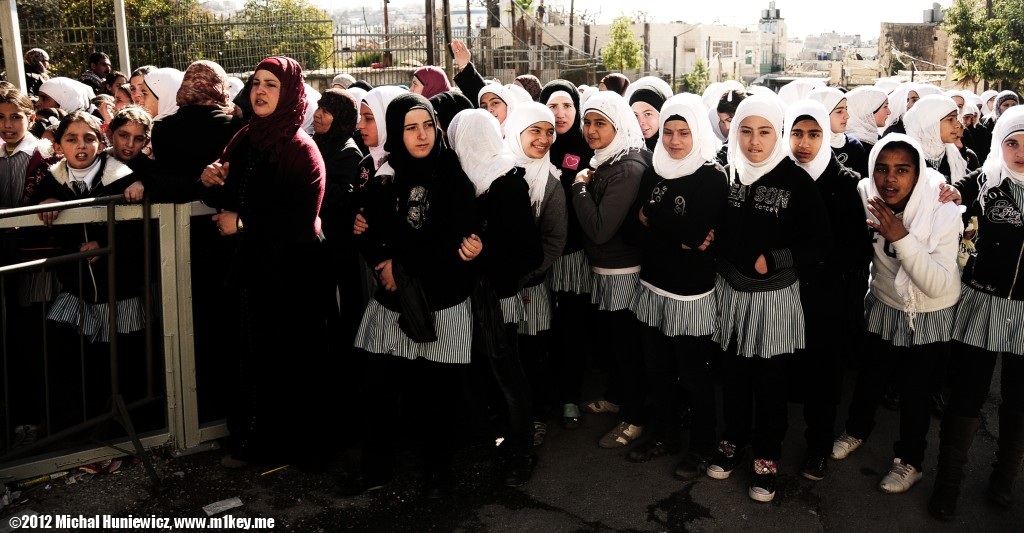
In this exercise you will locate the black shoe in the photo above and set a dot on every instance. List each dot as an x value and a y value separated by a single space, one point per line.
724 461
692 465
942 505
815 468
891 399
356 484
762 486
651 449
520 470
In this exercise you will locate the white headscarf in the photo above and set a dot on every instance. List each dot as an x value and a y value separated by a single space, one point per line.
502 92
985 97
830 98
691 109
972 104
712 95
358 94
70 95
377 99
628 136
898 102
923 125
312 104
235 85
476 138
923 211
1010 123
768 107
797 90
164 84
863 102
887 85
537 170
814 109
520 94
653 83
586 94
996 113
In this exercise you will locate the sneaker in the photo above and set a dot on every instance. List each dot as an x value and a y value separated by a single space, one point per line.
621 435
692 465
600 406
815 468
652 449
900 477
520 469
845 445
570 416
762 486
723 462
540 430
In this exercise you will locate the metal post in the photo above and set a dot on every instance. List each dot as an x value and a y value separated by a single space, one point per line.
124 61
675 45
10 30
429 12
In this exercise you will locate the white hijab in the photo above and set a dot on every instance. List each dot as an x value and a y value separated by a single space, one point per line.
919 217
1010 123
520 94
653 83
830 98
985 97
537 170
628 136
797 90
377 99
502 92
898 102
691 109
586 94
71 95
476 138
164 84
815 110
922 123
863 102
713 96
768 107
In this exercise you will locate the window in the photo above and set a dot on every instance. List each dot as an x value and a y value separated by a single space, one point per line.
722 48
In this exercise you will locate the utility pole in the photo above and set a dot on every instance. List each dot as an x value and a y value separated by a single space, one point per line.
572 23
429 20
447 29
647 48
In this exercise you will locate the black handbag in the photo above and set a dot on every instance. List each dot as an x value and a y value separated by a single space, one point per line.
489 333
415 318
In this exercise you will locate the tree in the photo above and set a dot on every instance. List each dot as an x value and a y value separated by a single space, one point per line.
987 47
624 50
697 80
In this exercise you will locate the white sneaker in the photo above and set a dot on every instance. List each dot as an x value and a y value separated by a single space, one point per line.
900 477
845 445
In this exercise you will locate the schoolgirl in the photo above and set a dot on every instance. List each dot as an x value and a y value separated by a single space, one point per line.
129 131
646 96
911 304
569 278
531 133
869 109
849 151
682 202
902 100
934 123
833 328
497 100
603 197
773 225
987 324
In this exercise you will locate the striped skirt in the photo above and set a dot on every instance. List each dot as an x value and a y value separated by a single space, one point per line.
892 325
379 333
570 273
512 309
37 287
93 318
989 322
675 317
537 301
614 289
764 324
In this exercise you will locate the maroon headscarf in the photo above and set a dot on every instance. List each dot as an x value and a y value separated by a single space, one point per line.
434 80
272 131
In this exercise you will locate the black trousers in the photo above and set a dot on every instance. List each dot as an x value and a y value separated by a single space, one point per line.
972 369
619 332
754 403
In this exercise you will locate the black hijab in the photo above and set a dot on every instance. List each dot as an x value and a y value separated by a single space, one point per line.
399 157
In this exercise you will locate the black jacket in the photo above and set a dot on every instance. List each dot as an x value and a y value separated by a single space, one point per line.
996 267
183 144
512 246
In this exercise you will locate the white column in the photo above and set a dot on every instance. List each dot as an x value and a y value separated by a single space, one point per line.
10 30
124 62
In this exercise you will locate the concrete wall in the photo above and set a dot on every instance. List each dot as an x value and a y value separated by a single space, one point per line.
927 41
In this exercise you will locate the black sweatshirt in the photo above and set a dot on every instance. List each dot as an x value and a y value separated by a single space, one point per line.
605 206
512 245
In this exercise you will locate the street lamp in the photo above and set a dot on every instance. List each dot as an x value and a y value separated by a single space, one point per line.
675 46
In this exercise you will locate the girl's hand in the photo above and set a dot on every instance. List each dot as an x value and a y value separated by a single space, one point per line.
214 174
949 193
471 247
49 216
584 175
360 225
89 246
134 192
646 222
227 223
107 112
387 279
461 53
761 265
707 242
888 225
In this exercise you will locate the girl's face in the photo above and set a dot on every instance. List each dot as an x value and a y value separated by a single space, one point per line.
367 126
495 106
322 121
757 138
417 86
46 102
882 114
598 130
80 145
149 100
839 116
648 117
564 111
266 92
128 141
419 133
950 128
805 140
118 81
912 98
895 175
1007 104
724 123
969 120
121 100
1013 152
13 123
959 101
139 89
676 138
537 138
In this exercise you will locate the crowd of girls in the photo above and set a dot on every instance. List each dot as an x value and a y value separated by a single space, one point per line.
492 242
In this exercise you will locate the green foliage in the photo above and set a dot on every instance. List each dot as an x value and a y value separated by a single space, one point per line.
365 59
697 80
294 28
624 51
987 47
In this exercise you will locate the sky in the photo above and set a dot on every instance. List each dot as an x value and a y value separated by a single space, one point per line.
803 17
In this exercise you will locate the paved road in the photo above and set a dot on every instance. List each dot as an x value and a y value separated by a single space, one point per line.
577 487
